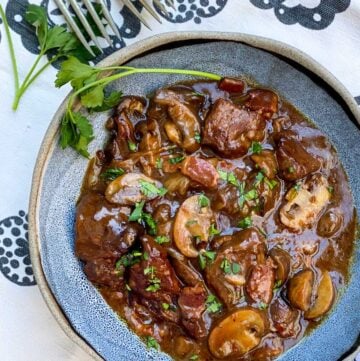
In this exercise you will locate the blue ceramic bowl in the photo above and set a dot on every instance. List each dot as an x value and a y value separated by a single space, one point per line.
74 301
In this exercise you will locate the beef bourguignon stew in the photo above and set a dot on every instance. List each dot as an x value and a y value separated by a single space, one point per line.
217 222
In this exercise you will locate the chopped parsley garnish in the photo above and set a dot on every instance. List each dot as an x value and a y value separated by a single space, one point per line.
151 342
162 239
203 201
297 187
165 306
112 173
150 222
128 287
129 259
229 177
213 305
291 169
159 163
138 215
245 223
330 189
213 231
263 306
271 183
198 94
177 160
255 148
145 256
258 179
132 146
230 267
150 189
154 281
277 285
190 222
149 270
206 256
194 357
197 137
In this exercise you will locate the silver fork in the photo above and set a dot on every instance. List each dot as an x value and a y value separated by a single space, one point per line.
89 6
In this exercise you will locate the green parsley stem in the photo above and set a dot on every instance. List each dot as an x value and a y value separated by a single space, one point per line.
11 49
111 78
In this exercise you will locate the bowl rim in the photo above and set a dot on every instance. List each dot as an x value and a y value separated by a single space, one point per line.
117 58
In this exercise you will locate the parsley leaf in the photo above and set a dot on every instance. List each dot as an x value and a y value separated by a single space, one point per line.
137 213
194 357
112 173
258 179
159 163
212 303
255 148
213 231
203 201
76 73
162 239
197 138
263 306
132 146
245 223
165 306
151 342
230 267
277 285
204 257
76 132
149 189
177 160
109 101
271 183
128 259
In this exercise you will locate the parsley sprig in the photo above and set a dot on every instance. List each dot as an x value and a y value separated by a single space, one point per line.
54 42
89 83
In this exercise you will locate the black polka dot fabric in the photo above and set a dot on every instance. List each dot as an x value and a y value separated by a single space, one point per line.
15 263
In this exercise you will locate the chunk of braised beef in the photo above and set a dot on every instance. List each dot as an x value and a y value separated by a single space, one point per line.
266 162
167 311
270 347
200 171
153 277
295 162
185 270
265 101
101 230
285 319
226 199
192 305
232 85
246 248
261 281
230 129
102 272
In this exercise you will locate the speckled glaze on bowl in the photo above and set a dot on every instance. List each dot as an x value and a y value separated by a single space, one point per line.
75 303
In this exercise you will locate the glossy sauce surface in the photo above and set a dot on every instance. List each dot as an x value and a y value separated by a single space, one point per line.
248 220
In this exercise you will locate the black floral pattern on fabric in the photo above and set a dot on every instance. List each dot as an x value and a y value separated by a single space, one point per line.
15 263
291 12
186 10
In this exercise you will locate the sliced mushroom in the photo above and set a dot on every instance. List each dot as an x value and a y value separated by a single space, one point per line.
184 125
300 289
192 221
237 334
282 262
330 223
177 183
126 189
324 298
305 204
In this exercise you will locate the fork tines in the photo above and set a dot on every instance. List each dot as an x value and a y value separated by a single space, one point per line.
91 10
